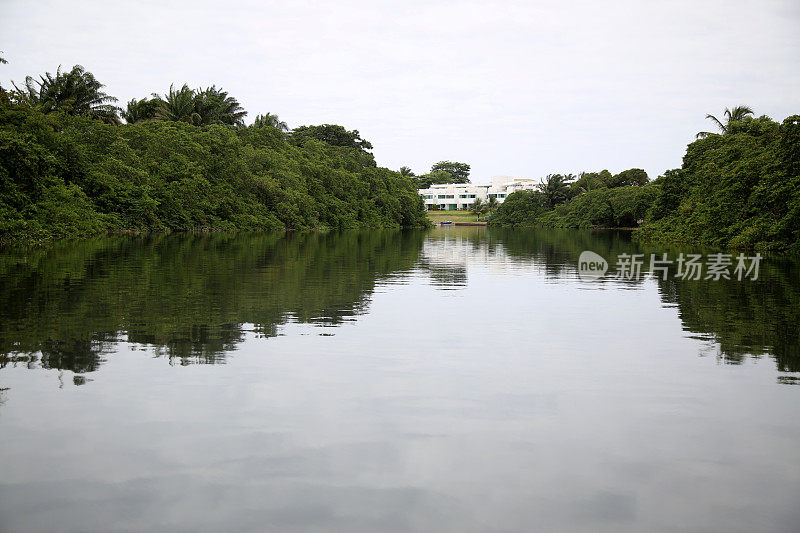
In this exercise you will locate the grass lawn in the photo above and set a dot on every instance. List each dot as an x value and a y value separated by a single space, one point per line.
455 216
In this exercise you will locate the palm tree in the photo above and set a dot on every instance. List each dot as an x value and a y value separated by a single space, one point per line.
215 106
201 107
555 189
737 114
270 120
177 105
492 203
478 207
141 110
406 172
76 92
586 182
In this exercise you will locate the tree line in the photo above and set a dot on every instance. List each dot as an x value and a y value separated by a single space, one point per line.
183 160
738 187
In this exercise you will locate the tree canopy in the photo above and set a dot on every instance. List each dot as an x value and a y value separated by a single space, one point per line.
331 134
739 188
183 161
445 172
76 92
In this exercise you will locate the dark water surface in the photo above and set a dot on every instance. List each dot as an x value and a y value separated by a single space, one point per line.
448 380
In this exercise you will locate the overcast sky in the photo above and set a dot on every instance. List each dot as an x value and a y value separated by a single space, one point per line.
520 88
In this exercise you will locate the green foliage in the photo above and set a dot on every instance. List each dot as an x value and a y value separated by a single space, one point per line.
633 176
141 110
459 172
64 175
76 92
406 172
554 189
731 116
444 172
201 107
522 208
331 134
619 207
478 207
740 189
269 120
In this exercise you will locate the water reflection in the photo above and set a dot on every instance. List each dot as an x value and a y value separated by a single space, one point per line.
189 296
194 298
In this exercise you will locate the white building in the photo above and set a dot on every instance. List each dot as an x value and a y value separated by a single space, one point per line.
454 196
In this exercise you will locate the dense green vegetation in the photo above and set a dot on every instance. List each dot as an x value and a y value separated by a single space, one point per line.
593 199
184 161
739 188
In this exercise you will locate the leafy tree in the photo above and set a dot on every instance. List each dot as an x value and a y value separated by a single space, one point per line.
199 107
426 180
141 110
270 120
738 190
554 188
492 203
731 116
587 181
69 176
76 92
331 134
521 208
406 172
478 207
216 106
457 172
633 176
177 105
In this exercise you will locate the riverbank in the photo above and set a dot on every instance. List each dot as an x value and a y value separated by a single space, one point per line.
64 176
437 217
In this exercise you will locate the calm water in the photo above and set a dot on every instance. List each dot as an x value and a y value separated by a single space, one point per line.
448 380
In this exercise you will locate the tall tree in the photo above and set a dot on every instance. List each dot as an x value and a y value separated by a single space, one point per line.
478 207
200 107
270 120
216 106
736 114
406 172
332 134
178 105
632 176
141 110
76 92
459 172
554 188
